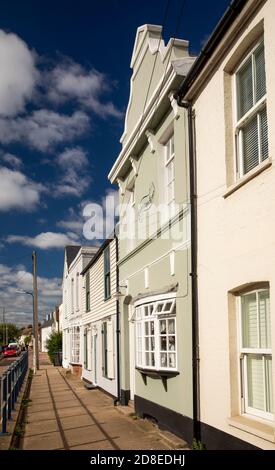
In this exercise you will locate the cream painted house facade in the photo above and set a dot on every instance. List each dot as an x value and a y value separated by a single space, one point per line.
76 259
99 319
233 105
154 237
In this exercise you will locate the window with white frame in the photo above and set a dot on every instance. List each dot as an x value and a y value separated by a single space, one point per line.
72 295
251 126
77 291
88 348
256 354
155 327
75 344
170 172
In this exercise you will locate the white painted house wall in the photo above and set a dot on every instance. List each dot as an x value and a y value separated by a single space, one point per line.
101 310
72 288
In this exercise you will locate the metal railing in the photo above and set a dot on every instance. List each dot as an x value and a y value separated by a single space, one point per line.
11 382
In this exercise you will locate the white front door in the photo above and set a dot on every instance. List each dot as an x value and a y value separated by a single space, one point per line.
94 355
132 356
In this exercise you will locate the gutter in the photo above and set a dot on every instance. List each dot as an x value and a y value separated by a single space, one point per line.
194 272
117 399
232 12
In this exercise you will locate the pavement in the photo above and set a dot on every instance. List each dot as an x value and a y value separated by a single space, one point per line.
64 415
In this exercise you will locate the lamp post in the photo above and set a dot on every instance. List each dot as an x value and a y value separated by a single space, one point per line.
35 333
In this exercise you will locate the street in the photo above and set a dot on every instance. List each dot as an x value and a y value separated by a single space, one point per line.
6 362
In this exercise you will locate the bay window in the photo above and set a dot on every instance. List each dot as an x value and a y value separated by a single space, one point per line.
155 327
251 126
256 354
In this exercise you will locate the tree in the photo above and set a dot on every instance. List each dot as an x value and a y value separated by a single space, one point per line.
54 344
13 332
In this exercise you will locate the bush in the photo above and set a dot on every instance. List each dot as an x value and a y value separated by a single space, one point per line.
54 344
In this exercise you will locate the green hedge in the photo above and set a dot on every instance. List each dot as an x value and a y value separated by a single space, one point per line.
54 344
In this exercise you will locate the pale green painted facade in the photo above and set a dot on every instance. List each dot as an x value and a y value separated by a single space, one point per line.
157 263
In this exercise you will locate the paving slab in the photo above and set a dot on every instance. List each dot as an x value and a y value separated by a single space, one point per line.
87 434
49 441
38 427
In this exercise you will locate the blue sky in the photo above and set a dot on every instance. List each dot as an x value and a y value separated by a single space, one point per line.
64 89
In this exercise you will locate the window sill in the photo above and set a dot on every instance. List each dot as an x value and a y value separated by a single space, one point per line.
158 373
248 177
258 428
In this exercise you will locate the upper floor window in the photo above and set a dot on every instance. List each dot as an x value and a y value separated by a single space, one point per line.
251 126
77 291
256 353
107 273
72 295
88 300
170 172
156 335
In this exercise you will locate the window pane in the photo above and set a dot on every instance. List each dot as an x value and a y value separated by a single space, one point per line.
163 343
147 328
260 73
264 134
147 348
245 88
147 359
249 321
264 319
171 343
153 359
171 326
170 171
172 360
250 145
152 328
255 381
163 359
163 327
268 372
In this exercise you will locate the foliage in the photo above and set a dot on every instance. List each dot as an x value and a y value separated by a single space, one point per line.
198 445
13 332
54 344
27 340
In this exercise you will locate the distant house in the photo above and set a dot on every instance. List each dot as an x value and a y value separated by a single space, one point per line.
76 258
99 319
50 324
46 330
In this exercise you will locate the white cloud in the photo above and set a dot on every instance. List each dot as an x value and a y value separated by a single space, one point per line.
74 220
19 306
12 160
18 74
43 129
71 81
45 240
74 178
17 191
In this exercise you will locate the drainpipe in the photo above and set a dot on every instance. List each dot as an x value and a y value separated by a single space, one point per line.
117 399
194 274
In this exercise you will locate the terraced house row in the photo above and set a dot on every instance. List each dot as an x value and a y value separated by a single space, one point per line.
175 310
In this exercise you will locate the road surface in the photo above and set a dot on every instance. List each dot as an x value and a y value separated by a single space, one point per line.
6 362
